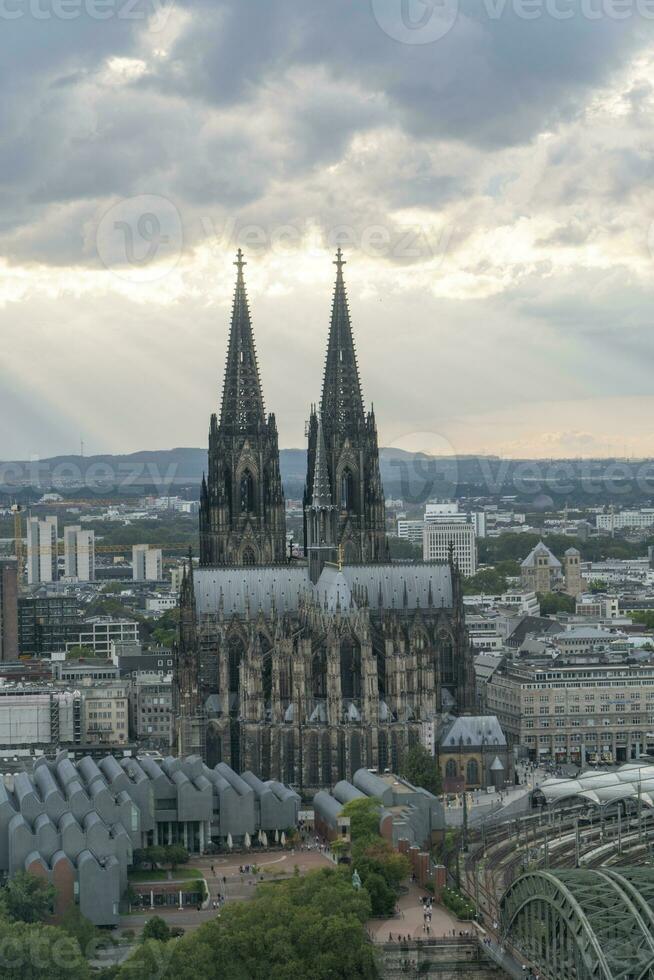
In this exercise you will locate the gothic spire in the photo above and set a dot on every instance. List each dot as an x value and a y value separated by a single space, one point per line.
322 493
187 614
242 402
342 403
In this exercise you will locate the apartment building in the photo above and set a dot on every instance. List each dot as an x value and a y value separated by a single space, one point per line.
574 713
625 519
79 554
105 714
42 550
151 710
147 563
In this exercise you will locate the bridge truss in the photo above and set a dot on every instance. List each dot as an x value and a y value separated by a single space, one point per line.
583 924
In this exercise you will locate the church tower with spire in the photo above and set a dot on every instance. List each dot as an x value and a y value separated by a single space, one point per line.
242 519
351 451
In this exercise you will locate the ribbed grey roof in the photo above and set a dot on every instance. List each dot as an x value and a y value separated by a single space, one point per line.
391 580
472 730
396 585
264 586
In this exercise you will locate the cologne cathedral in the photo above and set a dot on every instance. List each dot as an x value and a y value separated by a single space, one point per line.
306 669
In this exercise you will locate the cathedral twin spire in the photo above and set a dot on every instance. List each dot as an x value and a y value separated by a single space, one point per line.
242 504
342 402
242 401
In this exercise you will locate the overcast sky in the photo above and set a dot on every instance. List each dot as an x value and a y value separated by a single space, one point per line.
487 166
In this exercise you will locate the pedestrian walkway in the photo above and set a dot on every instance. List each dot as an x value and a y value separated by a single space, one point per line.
409 921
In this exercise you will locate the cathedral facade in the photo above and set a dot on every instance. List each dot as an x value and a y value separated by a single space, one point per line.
305 670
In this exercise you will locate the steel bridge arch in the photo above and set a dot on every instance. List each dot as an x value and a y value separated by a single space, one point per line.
583 924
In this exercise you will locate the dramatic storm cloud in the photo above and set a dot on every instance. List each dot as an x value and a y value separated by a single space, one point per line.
487 166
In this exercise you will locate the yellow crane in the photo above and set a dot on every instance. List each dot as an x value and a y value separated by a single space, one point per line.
17 511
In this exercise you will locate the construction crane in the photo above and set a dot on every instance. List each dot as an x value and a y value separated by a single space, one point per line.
17 511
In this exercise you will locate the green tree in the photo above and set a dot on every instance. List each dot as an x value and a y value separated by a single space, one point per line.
645 617
27 898
79 928
156 928
555 602
487 581
382 896
154 855
79 652
32 951
364 816
379 857
420 768
176 854
400 548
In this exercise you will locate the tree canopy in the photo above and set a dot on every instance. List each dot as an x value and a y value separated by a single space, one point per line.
364 816
420 768
27 898
555 602
31 950
303 927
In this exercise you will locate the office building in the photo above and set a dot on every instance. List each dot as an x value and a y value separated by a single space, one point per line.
42 550
100 632
47 624
575 713
410 530
449 513
442 539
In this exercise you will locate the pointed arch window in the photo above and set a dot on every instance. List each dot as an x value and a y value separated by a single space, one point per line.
450 769
350 670
247 492
347 490
236 652
472 772
249 557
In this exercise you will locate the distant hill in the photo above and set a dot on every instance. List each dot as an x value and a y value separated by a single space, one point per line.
413 477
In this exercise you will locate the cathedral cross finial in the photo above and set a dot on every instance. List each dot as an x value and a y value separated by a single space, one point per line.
340 261
240 261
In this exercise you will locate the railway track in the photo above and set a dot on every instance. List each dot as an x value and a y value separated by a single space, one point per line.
489 868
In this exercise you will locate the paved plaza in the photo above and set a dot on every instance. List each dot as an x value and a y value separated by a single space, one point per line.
225 880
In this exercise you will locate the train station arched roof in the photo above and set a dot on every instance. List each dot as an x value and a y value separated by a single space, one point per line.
632 781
